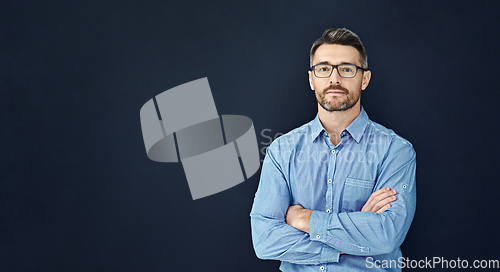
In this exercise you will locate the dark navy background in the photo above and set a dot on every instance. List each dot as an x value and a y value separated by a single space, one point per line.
78 193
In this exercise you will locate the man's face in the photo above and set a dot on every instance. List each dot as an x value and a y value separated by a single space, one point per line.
335 93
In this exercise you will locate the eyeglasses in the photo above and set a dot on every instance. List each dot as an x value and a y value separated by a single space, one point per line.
344 70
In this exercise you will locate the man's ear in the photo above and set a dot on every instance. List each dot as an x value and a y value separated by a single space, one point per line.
367 75
310 80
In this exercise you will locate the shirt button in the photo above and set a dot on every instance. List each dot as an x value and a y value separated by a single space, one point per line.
333 151
328 210
329 180
317 236
322 268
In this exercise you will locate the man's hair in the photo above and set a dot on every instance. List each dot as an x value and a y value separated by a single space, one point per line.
341 36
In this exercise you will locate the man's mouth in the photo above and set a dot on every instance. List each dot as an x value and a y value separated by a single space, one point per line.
335 90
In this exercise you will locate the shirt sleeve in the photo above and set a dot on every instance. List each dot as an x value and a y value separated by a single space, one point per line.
369 233
274 239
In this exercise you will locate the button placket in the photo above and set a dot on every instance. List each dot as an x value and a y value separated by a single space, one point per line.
330 187
329 181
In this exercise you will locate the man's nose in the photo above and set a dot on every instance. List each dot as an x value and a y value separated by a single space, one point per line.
335 77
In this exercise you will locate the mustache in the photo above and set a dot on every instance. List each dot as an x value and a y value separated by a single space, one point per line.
336 87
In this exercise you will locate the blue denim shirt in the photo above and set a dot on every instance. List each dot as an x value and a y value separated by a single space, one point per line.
304 167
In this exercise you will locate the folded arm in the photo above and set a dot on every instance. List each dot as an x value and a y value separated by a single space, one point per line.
299 217
367 233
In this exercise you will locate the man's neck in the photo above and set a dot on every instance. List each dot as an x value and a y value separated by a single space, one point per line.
335 122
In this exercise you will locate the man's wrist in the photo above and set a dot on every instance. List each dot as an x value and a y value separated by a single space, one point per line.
305 219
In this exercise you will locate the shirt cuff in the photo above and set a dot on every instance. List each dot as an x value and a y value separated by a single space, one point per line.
320 222
318 225
329 255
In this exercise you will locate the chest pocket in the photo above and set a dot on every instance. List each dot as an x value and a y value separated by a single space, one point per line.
355 194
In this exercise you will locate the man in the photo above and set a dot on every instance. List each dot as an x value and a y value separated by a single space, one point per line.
338 193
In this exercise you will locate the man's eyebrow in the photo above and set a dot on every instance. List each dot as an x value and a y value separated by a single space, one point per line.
323 62
326 62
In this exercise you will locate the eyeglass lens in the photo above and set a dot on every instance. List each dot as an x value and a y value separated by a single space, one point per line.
344 70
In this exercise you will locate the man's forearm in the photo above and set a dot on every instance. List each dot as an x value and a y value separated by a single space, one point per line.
299 217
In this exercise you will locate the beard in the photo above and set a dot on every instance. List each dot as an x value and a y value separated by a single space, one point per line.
349 101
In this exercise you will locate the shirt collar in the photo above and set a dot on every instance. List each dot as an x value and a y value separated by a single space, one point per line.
316 128
356 128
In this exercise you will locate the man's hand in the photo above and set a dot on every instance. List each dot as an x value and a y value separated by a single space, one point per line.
380 200
298 217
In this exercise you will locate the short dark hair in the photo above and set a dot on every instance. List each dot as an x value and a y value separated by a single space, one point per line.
341 36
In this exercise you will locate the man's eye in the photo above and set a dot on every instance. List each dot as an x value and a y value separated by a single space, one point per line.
324 69
347 69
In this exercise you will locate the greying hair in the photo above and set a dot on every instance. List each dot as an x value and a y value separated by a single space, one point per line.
341 36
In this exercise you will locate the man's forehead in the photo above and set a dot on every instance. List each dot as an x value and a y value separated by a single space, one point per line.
336 54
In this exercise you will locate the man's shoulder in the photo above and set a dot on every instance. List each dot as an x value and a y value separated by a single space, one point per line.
379 134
